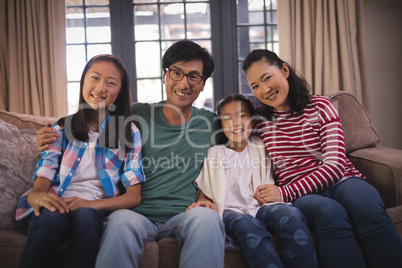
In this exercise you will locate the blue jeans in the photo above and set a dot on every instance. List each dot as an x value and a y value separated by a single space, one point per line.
83 228
253 236
351 226
199 232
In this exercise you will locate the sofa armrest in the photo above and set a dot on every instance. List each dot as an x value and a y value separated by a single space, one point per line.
383 168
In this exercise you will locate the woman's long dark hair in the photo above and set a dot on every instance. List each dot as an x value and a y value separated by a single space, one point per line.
119 110
299 90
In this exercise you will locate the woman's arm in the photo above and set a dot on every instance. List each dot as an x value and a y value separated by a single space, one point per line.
333 154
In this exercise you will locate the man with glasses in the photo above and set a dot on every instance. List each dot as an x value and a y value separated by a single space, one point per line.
176 137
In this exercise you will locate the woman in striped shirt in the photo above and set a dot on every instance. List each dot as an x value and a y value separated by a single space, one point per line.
304 139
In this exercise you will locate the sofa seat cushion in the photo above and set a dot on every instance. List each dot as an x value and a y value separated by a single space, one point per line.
11 242
358 129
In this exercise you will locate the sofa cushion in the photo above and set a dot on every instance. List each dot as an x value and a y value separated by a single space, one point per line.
383 169
358 129
18 159
395 214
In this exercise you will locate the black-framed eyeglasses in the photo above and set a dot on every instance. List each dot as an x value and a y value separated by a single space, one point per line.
192 78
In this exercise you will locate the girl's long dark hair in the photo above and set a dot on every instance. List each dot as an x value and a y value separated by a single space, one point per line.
118 112
299 90
221 137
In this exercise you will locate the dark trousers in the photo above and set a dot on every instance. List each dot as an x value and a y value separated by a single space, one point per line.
82 228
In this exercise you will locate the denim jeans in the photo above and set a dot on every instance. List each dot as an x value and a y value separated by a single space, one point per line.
351 226
83 228
199 232
253 236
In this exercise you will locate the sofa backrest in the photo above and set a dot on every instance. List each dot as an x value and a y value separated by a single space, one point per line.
358 128
25 121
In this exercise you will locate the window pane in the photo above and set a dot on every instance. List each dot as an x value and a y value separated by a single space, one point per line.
147 56
256 29
206 99
254 5
146 22
97 2
149 90
271 16
75 31
198 20
257 34
73 89
98 25
272 33
205 44
75 62
165 45
273 47
172 21
273 4
244 88
73 2
257 46
94 50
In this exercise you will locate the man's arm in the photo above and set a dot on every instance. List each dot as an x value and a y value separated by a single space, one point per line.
45 136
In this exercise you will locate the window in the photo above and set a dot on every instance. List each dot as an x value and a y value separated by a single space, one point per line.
256 28
140 31
157 25
87 34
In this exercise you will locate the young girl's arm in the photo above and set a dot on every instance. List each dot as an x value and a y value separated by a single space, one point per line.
130 199
39 197
203 201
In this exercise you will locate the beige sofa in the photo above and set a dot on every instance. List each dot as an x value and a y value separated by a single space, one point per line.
18 157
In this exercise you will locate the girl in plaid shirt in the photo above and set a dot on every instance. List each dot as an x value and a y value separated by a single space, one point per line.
79 176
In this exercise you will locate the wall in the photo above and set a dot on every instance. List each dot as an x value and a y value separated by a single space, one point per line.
383 98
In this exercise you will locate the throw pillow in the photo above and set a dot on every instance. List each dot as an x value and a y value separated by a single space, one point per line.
18 160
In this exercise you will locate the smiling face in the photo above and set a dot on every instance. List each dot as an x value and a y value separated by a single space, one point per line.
269 84
237 124
179 93
102 84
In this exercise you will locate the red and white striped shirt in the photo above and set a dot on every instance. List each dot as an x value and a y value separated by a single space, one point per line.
307 150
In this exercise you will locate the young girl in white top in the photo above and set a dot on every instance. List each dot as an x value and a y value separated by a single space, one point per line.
229 183
79 177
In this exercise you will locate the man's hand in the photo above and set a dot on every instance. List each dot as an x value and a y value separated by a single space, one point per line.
203 203
267 193
46 136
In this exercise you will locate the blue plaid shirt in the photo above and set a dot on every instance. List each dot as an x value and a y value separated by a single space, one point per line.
60 161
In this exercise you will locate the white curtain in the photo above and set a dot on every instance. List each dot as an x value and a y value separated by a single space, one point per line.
33 76
324 41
